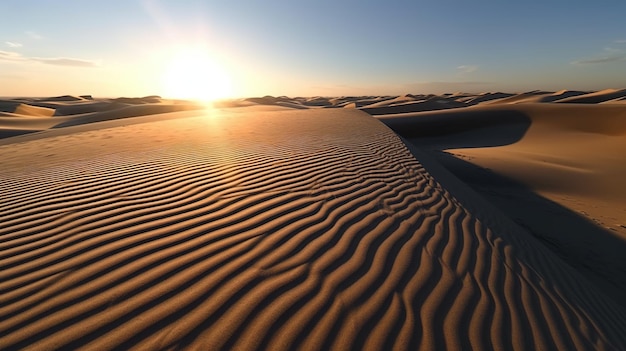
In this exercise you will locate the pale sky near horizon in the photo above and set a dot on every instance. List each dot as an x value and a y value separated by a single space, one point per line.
329 48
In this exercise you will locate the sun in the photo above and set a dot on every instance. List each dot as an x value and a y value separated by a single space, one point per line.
192 74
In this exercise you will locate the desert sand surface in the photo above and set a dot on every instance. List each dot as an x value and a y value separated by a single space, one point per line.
456 221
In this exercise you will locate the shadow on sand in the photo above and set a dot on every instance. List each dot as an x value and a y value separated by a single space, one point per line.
593 251
460 128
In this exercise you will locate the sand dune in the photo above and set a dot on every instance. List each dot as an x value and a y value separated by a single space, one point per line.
413 106
531 96
9 108
528 151
560 95
19 116
595 97
267 226
484 97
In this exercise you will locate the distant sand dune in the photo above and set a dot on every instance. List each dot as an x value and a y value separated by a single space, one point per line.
560 95
23 116
28 110
595 97
295 229
531 96
413 106
473 100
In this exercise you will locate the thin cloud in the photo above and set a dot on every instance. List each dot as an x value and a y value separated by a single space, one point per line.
598 60
34 35
467 68
65 61
58 61
608 54
10 56
13 44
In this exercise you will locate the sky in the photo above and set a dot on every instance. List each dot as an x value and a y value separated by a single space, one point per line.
242 48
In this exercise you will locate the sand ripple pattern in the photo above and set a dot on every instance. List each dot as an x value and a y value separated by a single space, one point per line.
324 242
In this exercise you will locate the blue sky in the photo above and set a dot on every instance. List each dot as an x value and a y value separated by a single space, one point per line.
310 48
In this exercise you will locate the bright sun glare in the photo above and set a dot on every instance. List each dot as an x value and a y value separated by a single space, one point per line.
192 74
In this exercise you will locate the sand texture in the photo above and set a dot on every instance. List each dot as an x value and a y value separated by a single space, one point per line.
305 223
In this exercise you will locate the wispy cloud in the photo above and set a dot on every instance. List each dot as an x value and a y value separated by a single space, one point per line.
34 35
10 56
64 61
59 61
467 68
12 44
610 49
607 55
597 60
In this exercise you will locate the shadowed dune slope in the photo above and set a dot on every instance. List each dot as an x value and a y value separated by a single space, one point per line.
302 229
547 135
557 169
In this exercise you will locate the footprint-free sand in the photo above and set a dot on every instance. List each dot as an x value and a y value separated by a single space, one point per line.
458 221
